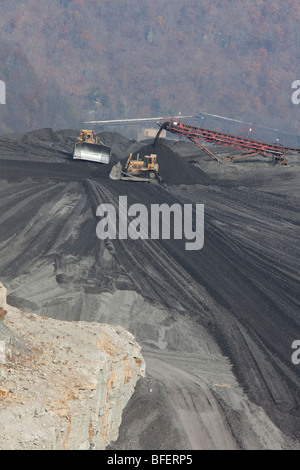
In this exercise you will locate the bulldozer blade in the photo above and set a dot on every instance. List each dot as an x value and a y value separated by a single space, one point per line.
91 152
116 172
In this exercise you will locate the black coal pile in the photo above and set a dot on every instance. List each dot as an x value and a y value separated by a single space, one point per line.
231 305
39 145
172 168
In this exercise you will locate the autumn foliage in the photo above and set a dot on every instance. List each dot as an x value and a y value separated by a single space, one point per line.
64 61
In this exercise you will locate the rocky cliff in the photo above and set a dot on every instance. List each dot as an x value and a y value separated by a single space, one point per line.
63 385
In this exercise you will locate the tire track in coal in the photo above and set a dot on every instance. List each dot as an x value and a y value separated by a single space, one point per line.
259 345
250 347
37 222
155 273
270 310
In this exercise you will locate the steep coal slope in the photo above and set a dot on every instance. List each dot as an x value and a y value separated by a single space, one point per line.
257 281
243 286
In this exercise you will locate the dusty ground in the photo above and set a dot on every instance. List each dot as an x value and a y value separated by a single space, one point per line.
216 325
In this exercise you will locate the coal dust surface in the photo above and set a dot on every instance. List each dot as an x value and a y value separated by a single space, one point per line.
216 325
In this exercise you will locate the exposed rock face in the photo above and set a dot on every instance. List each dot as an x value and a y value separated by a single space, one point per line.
63 385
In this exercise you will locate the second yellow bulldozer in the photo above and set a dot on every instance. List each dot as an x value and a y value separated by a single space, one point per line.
137 169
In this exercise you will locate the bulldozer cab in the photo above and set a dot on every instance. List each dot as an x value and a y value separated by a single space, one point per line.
150 161
87 136
151 158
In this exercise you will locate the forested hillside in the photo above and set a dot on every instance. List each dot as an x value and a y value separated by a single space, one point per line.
68 60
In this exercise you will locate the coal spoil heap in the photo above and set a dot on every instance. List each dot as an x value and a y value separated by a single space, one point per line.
216 324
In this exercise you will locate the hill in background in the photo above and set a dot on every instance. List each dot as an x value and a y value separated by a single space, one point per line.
67 61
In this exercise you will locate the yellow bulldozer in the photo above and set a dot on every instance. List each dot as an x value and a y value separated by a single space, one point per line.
89 147
137 169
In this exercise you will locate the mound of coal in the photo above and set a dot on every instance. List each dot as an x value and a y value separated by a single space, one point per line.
172 168
39 145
